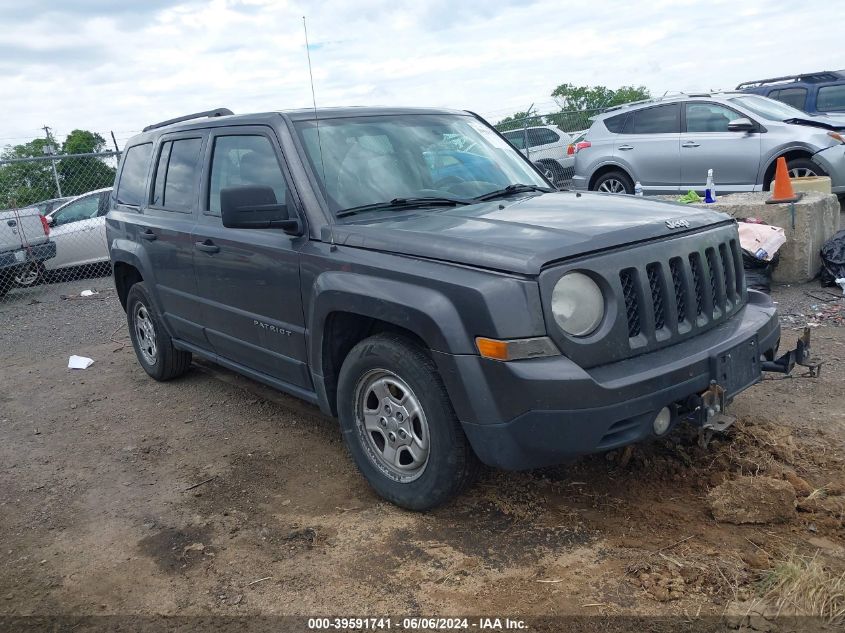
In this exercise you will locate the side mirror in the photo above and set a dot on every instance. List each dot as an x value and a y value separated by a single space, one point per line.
741 125
255 207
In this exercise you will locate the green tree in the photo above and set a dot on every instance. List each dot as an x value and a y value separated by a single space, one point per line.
572 97
516 121
79 175
27 182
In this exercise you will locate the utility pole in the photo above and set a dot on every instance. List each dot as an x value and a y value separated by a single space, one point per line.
51 150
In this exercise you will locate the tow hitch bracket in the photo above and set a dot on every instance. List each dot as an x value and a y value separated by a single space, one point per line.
798 356
710 411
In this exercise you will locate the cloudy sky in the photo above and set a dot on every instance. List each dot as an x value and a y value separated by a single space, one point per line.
119 65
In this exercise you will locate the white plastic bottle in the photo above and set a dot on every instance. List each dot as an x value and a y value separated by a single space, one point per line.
638 189
710 188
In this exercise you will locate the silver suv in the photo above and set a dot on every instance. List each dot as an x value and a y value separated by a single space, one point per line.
668 145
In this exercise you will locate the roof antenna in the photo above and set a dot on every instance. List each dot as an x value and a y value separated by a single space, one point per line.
317 126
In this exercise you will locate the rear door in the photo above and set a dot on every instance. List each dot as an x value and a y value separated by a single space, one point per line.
248 279
648 147
163 229
706 143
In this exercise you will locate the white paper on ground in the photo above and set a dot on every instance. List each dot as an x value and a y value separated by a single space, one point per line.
79 362
88 293
763 240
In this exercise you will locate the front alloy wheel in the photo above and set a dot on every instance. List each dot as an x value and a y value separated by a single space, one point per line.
392 425
28 275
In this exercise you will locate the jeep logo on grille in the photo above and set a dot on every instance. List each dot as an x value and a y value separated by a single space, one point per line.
677 224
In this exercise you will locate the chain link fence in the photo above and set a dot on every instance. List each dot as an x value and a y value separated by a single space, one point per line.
52 220
548 140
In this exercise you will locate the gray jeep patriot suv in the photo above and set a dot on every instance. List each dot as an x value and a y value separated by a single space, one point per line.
414 275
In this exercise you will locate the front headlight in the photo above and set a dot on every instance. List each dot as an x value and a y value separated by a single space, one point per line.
577 304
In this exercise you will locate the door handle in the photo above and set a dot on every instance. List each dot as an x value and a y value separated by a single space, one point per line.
690 144
625 148
207 246
148 235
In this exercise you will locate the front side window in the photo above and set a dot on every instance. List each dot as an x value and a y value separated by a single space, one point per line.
82 209
831 99
796 97
371 160
174 187
665 119
708 117
243 160
133 176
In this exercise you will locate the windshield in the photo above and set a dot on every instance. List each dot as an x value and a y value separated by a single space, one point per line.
769 108
374 159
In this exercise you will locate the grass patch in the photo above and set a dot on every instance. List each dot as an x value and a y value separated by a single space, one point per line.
803 586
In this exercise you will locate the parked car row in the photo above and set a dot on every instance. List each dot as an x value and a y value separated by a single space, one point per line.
669 144
76 228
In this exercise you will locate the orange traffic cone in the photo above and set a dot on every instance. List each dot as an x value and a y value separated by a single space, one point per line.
783 191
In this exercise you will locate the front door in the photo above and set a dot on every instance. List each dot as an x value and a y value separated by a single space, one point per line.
78 230
248 279
706 143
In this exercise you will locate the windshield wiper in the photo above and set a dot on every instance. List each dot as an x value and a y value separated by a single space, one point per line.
810 123
405 203
515 188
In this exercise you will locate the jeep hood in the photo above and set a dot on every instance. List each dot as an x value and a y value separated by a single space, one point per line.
521 234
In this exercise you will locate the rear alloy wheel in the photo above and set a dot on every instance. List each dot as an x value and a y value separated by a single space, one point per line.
614 182
804 168
29 274
153 345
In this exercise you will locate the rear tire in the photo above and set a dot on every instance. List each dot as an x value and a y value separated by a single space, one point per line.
399 425
29 275
614 182
153 345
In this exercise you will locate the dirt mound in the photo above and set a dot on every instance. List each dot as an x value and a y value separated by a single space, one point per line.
753 500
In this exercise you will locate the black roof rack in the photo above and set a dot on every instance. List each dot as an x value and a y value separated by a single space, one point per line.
823 75
188 117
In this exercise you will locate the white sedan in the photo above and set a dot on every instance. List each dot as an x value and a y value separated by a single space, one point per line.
78 228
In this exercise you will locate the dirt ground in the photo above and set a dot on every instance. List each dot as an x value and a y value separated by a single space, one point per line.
214 495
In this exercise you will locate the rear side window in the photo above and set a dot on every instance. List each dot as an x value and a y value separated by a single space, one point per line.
831 99
176 175
796 97
133 176
244 160
614 124
665 119
541 136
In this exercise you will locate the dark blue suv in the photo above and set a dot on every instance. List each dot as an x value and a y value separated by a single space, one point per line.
816 93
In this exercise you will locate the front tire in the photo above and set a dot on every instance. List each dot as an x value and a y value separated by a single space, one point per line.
614 182
804 168
399 425
153 345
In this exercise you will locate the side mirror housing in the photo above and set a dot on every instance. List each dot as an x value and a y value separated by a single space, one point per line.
51 221
255 207
741 125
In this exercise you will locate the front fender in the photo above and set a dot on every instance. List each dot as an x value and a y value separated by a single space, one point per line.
424 311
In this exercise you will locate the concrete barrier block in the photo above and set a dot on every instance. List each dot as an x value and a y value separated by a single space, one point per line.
808 224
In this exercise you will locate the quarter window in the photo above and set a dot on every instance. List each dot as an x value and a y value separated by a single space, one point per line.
792 96
831 99
244 160
175 182
665 119
133 176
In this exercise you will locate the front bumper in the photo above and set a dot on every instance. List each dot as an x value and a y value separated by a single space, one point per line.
832 160
37 253
540 412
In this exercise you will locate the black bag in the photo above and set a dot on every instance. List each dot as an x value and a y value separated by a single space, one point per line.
833 259
758 272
